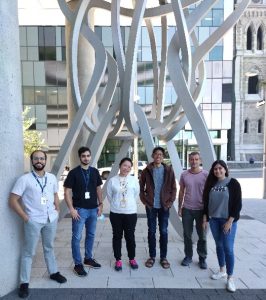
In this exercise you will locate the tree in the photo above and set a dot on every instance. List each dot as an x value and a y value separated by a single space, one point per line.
32 138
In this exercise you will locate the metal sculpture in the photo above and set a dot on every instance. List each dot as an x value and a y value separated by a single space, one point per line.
126 119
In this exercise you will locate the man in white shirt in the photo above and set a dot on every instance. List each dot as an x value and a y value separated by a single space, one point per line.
38 208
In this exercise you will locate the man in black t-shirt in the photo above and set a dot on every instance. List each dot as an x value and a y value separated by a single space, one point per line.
83 195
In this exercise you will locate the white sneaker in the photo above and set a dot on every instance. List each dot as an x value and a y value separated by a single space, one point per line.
231 285
218 275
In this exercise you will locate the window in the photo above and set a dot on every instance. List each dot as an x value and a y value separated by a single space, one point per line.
246 126
249 38
259 126
218 17
253 85
47 43
259 39
216 53
227 92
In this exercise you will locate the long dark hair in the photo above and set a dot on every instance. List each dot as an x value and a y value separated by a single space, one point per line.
212 179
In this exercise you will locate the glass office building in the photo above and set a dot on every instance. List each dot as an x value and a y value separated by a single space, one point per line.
43 55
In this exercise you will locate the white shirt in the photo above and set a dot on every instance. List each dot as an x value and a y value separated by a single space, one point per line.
119 188
31 193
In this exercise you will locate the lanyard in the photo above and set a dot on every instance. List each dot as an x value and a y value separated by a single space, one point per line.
41 186
86 177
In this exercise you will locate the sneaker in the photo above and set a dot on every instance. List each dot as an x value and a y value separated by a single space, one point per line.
23 291
58 277
79 270
218 275
133 264
202 263
118 265
186 261
92 263
230 286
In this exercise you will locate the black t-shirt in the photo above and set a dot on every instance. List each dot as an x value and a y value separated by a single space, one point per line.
76 180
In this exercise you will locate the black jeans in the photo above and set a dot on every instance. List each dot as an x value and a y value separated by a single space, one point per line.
123 223
163 216
188 217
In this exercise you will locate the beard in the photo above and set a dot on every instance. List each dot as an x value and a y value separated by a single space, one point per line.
38 167
85 163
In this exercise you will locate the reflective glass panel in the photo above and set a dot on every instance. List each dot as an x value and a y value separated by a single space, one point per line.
32 36
28 95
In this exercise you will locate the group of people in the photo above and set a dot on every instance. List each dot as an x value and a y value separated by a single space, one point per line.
212 197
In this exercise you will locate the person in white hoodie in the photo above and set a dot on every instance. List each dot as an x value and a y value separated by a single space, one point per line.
122 193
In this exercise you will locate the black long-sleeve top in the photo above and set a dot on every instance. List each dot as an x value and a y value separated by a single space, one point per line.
234 203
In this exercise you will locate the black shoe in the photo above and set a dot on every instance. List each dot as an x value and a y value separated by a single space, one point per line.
202 263
23 291
92 263
58 277
79 270
186 261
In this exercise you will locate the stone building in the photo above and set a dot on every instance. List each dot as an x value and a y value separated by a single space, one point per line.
250 82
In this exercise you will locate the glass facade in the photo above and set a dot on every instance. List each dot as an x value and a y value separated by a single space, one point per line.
43 54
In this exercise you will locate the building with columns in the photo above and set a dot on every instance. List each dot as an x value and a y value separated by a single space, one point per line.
250 80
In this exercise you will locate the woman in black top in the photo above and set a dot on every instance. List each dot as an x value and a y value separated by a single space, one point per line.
222 204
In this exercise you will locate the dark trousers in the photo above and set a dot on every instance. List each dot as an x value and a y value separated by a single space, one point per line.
188 217
123 223
163 216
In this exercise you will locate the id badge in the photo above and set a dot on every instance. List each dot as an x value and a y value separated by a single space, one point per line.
43 200
123 203
87 195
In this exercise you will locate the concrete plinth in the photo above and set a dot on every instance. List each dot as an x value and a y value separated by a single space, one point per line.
11 158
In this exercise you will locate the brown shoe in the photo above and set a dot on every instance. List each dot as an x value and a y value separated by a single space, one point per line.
164 263
150 262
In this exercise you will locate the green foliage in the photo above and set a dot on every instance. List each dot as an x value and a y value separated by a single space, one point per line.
32 138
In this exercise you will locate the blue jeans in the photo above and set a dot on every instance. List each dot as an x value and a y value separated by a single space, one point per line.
88 217
163 216
32 232
224 243
188 217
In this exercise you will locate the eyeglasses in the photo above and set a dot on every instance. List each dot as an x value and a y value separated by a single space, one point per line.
38 158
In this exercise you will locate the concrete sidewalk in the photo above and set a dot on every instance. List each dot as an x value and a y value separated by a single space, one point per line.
250 252
250 264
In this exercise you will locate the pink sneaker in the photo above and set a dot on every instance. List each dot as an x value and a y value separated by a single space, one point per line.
133 264
118 265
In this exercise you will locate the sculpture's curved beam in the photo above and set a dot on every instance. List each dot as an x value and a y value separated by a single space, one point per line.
195 119
191 20
97 75
117 39
76 18
107 98
120 58
162 77
102 133
144 131
131 65
153 12
198 14
218 34
182 32
154 66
